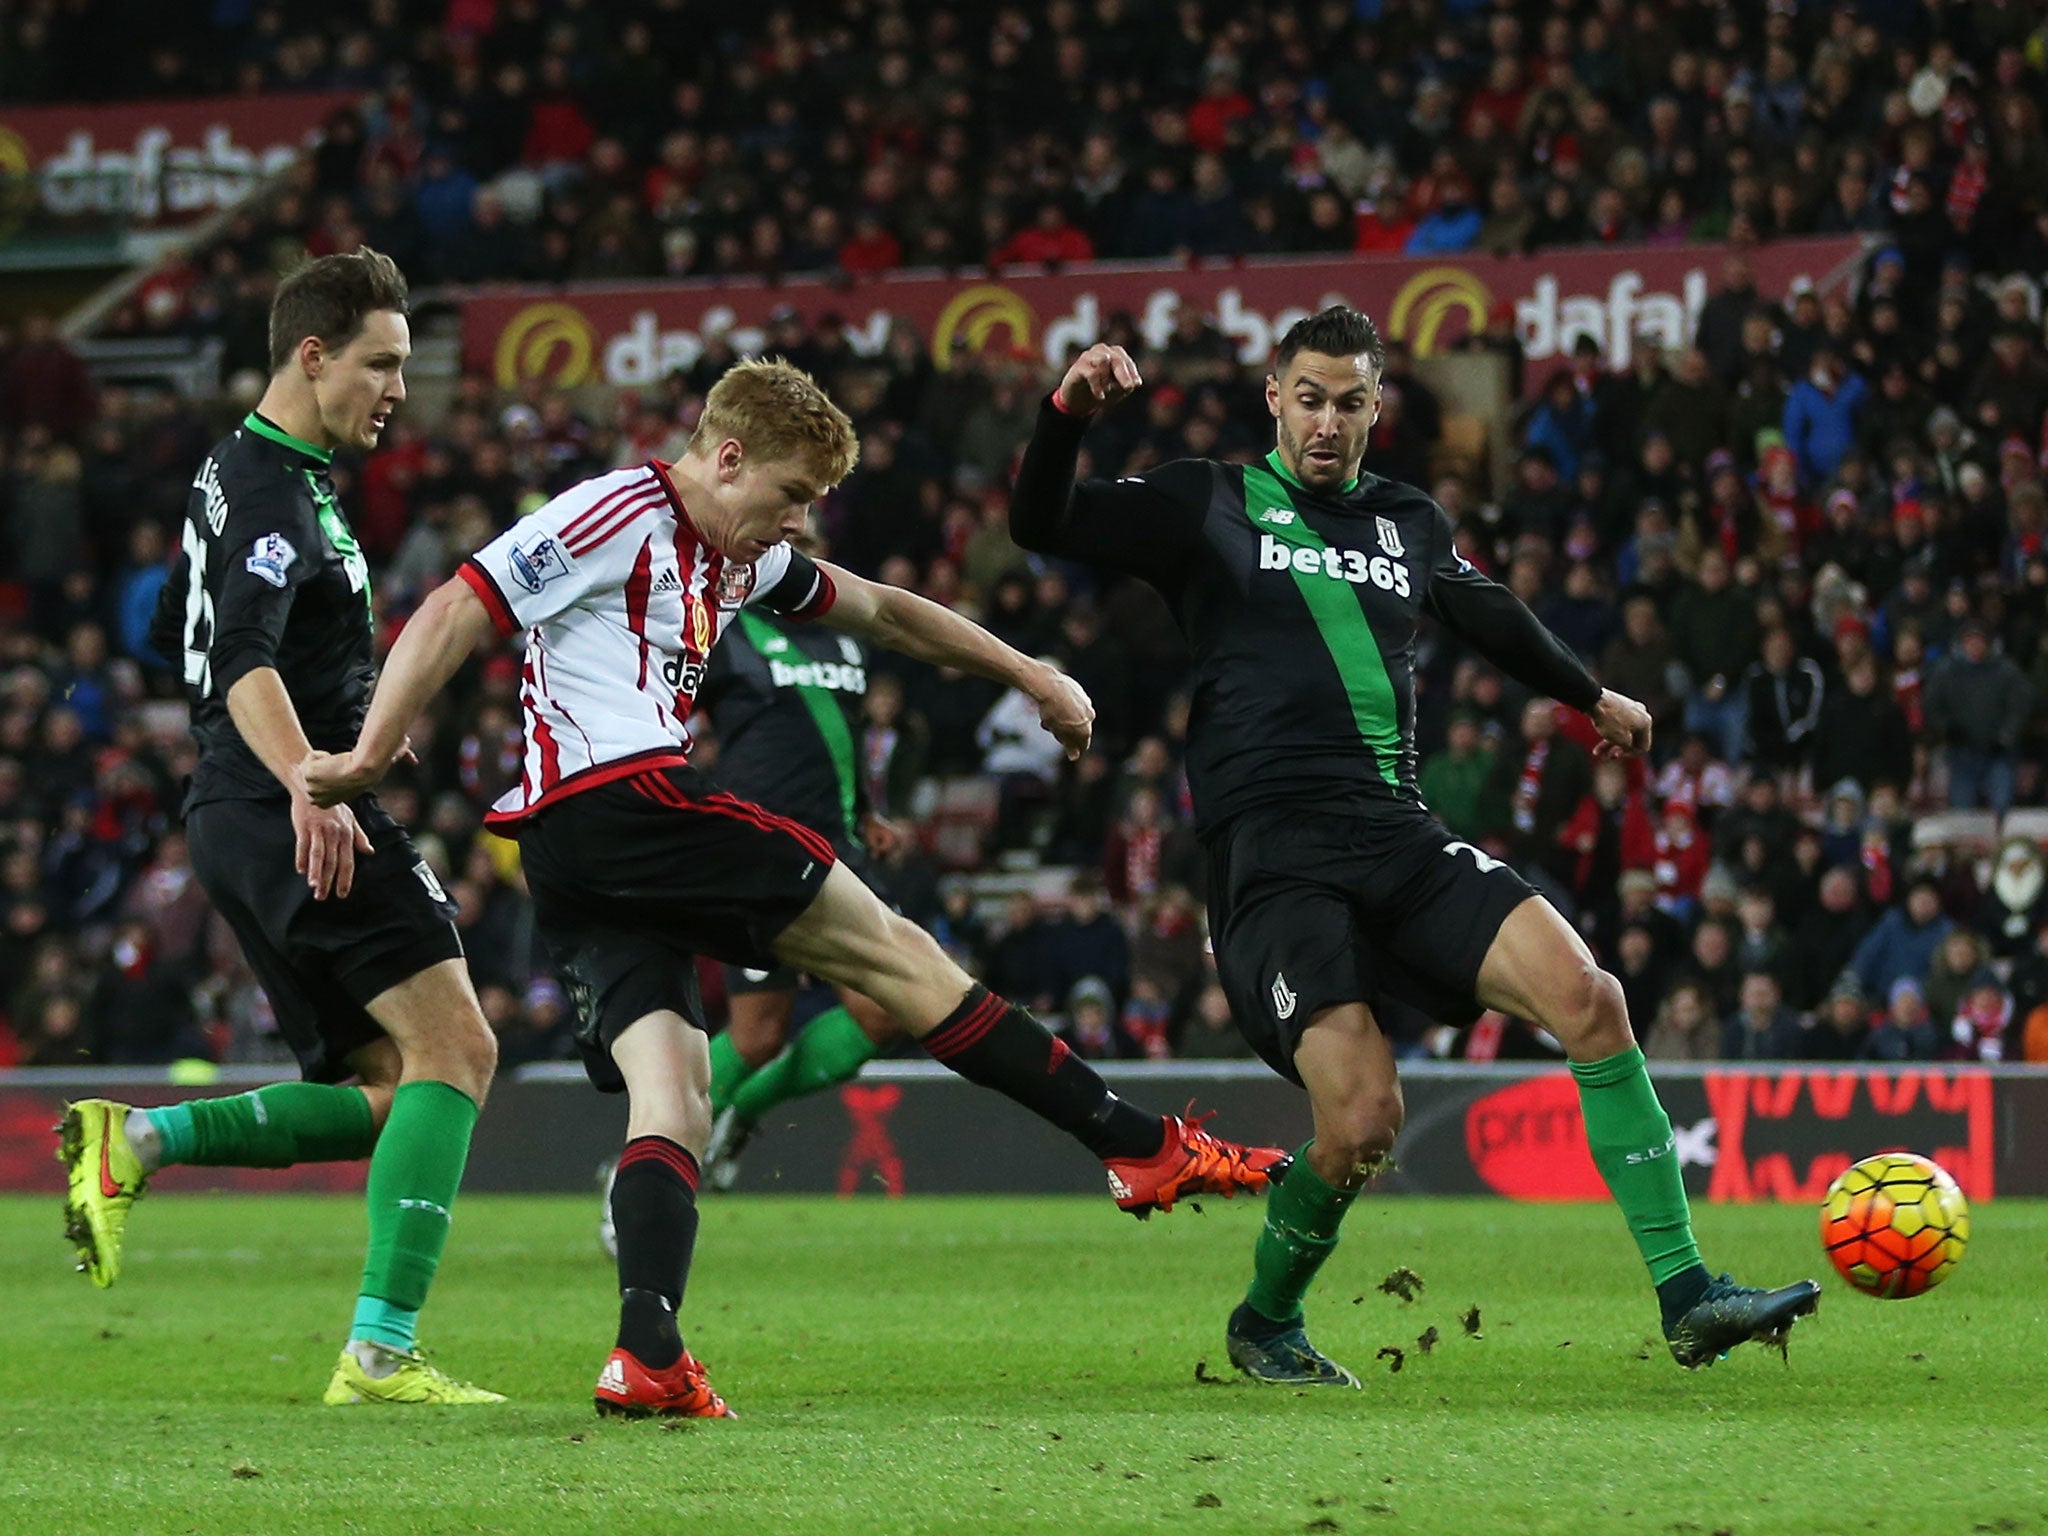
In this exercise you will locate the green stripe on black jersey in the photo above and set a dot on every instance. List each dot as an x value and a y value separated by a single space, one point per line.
1266 576
1340 620
325 507
828 714
268 577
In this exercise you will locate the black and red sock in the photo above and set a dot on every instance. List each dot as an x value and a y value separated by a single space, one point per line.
654 1212
1000 1046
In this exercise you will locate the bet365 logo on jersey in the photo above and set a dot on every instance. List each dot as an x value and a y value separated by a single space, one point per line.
1352 565
830 675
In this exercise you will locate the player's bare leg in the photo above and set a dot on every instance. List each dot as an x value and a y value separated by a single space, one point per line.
1540 969
1354 1092
1355 1095
445 1056
759 1025
668 1080
851 938
667 1067
379 1068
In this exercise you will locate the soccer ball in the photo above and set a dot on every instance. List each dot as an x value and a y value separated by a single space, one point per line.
1894 1225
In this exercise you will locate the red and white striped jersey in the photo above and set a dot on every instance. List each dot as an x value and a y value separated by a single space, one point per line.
621 600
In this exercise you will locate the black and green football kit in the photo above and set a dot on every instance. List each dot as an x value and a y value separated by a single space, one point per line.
271 576
785 700
1330 881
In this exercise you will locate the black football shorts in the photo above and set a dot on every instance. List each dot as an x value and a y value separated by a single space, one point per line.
1310 908
321 962
634 879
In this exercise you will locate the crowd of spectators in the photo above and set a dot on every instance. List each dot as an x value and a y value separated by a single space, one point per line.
1812 542
559 140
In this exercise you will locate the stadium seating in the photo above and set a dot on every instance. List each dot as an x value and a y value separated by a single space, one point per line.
1662 515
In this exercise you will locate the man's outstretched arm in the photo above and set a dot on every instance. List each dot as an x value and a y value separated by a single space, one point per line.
1500 627
914 626
449 625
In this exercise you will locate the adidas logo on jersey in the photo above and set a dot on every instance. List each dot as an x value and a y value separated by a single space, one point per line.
1350 565
667 581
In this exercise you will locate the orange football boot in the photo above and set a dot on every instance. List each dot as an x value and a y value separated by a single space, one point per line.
1192 1162
628 1389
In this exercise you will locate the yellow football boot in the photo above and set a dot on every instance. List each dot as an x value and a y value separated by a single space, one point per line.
106 1178
414 1381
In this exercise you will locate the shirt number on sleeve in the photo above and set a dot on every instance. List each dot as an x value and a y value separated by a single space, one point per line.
198 615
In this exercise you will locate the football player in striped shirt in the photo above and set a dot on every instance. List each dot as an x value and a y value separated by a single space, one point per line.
621 587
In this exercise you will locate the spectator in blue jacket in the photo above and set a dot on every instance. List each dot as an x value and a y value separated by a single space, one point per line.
136 590
443 198
1901 947
1452 228
1563 424
1821 415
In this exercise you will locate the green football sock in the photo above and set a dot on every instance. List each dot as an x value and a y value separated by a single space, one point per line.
414 1174
1630 1137
728 1070
272 1127
1302 1216
831 1049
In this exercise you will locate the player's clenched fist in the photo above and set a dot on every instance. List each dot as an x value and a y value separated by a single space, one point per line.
1624 726
1065 709
1100 377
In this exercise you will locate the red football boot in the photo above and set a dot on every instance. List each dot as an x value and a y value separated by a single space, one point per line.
628 1389
1191 1163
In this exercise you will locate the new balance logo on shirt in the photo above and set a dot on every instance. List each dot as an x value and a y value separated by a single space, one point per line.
1351 565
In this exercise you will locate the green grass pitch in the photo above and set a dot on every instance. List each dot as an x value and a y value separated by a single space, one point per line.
984 1366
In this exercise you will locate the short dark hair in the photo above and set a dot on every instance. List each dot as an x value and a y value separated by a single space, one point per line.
331 298
1339 331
